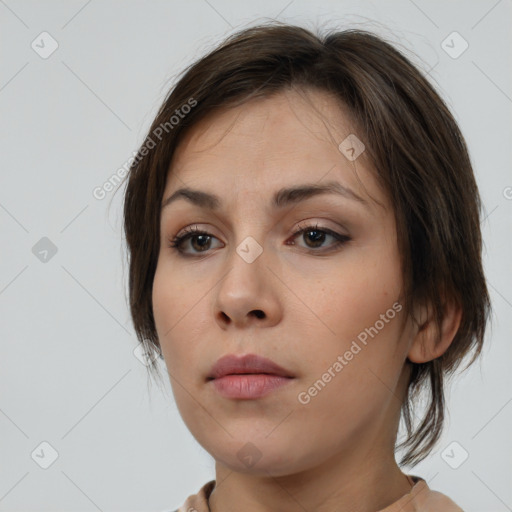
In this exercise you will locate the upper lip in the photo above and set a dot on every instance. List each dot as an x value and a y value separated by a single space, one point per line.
249 363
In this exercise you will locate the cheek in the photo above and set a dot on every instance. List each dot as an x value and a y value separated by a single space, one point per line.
359 308
172 304
357 293
183 324
164 301
177 315
350 380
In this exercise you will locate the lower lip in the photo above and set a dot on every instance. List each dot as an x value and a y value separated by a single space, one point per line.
248 386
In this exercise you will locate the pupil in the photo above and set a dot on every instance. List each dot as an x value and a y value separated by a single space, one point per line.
205 240
318 238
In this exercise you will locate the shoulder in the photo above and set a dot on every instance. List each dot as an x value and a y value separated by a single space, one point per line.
428 500
437 501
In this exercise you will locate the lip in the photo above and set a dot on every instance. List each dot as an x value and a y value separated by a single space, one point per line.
246 364
247 377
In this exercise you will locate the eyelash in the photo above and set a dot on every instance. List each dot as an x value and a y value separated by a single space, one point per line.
176 242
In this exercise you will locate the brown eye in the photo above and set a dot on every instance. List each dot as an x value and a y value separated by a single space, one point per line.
315 237
200 241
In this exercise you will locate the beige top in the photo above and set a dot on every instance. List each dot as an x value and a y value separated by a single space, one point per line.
419 499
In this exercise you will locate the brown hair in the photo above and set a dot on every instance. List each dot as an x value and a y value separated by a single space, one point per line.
411 139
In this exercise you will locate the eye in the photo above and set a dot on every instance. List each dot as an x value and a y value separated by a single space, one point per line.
200 241
317 235
202 238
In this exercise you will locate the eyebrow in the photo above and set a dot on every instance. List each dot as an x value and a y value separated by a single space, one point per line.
281 198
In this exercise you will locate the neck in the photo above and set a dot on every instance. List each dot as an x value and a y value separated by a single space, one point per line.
336 485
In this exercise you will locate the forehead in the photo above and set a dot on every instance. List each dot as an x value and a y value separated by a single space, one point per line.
267 143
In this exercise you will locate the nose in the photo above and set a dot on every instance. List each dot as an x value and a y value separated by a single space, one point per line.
248 294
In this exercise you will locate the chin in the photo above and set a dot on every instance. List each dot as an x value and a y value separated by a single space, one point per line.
258 455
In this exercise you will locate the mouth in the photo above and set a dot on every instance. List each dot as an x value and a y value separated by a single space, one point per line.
247 377
240 374
249 364
248 386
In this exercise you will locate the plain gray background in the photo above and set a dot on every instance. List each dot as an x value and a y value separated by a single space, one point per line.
69 376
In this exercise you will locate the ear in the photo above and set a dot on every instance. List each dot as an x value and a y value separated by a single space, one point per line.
428 343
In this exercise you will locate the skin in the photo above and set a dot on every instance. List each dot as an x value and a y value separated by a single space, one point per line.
327 454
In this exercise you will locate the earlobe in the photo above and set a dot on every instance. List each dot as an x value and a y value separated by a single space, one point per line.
428 343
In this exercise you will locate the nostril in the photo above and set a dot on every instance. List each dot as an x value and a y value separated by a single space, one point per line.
258 313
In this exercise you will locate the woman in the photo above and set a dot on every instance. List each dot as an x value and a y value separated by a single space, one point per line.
303 229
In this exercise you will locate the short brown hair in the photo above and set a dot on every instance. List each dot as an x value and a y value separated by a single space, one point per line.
413 142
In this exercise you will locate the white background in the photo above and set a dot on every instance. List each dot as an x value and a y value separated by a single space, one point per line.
68 374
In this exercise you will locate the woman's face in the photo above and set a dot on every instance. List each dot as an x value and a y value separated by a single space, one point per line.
323 304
